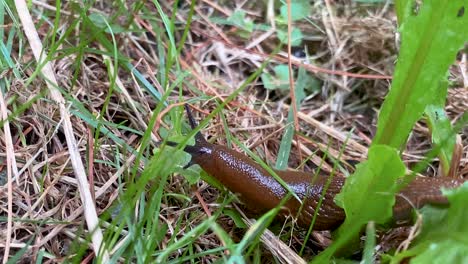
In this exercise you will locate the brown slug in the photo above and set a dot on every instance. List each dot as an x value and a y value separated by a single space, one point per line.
261 192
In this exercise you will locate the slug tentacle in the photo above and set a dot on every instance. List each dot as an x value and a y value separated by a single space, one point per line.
199 139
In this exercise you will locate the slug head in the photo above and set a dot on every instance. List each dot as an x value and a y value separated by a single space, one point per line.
202 150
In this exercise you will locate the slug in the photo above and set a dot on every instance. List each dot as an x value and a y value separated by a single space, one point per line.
261 192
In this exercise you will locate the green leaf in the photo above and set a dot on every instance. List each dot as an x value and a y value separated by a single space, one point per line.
101 22
296 36
282 73
402 9
305 82
299 10
279 81
449 251
179 157
441 129
430 42
368 195
190 174
443 236
268 81
238 19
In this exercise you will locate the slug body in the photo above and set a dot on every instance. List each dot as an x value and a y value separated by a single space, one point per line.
261 192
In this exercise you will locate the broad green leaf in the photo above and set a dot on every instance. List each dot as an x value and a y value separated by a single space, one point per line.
448 251
279 81
299 10
430 41
368 195
268 81
441 129
443 236
296 36
373 181
238 19
191 175
302 83
310 83
101 22
282 73
403 9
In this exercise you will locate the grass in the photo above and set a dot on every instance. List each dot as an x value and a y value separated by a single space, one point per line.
123 70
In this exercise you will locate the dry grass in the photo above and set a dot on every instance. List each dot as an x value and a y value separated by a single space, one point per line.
47 211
